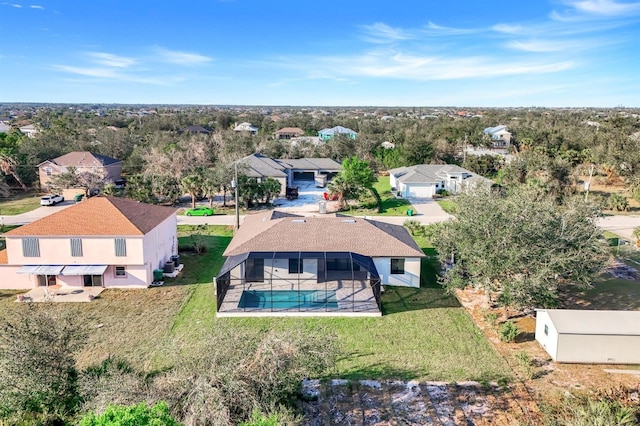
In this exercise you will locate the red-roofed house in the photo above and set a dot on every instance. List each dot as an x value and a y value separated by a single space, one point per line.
103 241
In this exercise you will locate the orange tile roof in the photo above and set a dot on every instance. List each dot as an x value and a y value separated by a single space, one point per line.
4 259
98 216
271 232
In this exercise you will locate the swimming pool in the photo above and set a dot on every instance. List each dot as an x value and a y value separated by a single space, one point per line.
288 299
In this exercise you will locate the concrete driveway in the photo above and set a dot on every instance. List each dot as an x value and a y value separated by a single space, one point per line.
33 215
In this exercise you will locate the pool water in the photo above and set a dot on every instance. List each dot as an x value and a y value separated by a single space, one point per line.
288 299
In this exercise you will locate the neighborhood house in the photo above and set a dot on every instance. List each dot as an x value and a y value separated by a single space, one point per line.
326 134
425 180
284 264
103 241
287 171
83 161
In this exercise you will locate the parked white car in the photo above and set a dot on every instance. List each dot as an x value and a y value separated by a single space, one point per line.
51 200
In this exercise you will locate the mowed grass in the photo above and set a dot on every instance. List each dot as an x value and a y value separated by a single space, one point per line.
17 204
424 333
391 206
448 205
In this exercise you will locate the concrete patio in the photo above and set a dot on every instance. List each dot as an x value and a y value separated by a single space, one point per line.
58 293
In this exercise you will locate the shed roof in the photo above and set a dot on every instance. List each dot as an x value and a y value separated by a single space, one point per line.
576 321
272 232
101 216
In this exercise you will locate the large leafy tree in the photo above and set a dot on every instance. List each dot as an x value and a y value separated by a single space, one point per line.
520 246
192 184
355 178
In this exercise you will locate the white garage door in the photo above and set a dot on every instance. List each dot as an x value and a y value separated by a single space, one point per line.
420 191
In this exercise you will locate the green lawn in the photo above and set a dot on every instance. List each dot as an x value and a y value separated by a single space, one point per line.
448 205
424 333
391 206
18 204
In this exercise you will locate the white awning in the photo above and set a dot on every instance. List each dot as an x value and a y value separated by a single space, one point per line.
84 270
40 269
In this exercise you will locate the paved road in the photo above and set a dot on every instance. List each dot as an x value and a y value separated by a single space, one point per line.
428 211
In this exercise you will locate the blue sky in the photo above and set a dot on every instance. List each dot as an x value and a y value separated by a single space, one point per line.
328 52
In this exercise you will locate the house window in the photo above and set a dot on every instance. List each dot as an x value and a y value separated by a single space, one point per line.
76 247
254 270
47 171
121 247
31 247
397 266
546 330
295 266
120 271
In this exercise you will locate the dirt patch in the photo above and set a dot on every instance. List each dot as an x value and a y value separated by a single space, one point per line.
539 375
371 402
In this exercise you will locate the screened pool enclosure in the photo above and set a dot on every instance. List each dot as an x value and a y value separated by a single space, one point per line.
298 283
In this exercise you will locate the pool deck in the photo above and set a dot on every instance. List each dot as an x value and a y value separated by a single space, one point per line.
354 298
61 293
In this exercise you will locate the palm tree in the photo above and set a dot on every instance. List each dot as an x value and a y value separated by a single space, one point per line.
193 185
9 166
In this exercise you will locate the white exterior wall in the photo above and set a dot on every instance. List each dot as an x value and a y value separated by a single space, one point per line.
410 278
598 349
548 341
160 243
278 269
393 182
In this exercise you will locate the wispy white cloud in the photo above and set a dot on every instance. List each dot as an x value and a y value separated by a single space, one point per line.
580 10
606 7
407 66
181 58
111 60
383 33
116 75
507 29
88 71
541 46
442 30
36 6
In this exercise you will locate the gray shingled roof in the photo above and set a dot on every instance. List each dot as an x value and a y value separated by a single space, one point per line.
313 164
429 173
260 166
84 159
270 232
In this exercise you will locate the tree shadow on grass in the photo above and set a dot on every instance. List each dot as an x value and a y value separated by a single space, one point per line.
403 299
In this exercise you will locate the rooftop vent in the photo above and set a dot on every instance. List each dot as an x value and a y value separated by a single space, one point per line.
298 221
348 221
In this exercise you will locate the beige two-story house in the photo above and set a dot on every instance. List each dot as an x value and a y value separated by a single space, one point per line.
82 161
103 241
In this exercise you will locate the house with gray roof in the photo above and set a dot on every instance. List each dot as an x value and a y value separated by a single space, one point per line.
283 264
499 135
290 170
425 180
326 134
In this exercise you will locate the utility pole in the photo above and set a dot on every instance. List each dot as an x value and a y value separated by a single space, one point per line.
234 184
587 185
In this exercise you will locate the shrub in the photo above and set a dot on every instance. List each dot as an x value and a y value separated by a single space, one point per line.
491 318
618 202
135 415
414 226
508 331
587 411
38 376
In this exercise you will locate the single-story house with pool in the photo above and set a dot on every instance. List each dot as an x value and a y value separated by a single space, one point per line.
281 264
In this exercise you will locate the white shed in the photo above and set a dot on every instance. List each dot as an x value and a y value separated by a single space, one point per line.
582 336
